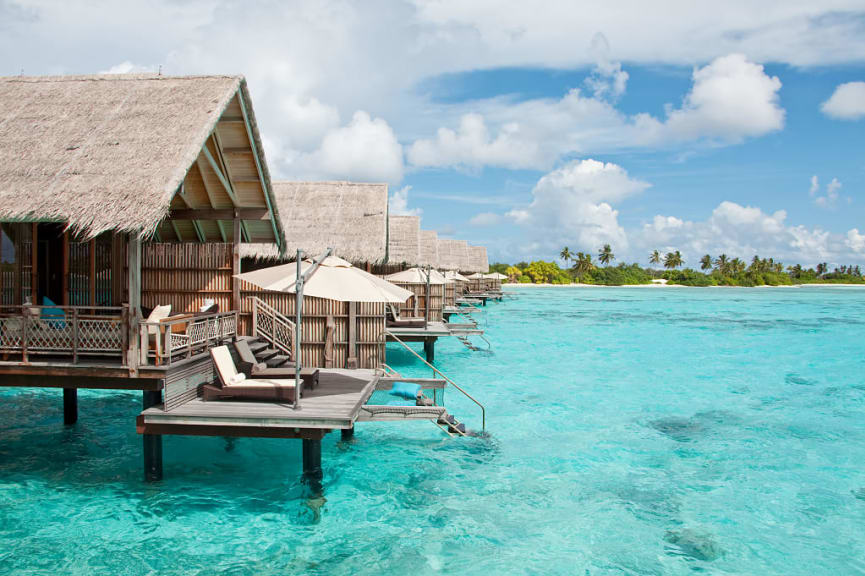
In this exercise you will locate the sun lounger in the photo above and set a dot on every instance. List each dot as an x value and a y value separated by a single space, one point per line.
235 385
254 369
397 321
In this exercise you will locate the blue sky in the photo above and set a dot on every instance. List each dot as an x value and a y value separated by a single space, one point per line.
772 172
529 126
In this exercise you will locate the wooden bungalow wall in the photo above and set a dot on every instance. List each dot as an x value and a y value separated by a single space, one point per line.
450 294
185 275
437 295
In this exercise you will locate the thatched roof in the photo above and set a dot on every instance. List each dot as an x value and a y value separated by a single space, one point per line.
477 259
453 254
403 239
349 217
109 152
429 248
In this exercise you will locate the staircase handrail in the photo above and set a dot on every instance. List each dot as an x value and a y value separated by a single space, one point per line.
444 377
277 318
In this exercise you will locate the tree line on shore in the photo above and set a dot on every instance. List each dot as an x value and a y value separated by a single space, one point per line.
720 270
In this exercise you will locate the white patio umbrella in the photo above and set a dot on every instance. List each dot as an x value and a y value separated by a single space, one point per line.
335 279
456 276
496 276
476 276
416 276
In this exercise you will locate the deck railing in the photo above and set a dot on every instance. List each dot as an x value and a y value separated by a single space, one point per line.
183 336
272 326
64 330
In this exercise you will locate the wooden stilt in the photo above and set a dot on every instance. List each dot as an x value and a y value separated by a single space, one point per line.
70 406
429 348
152 442
347 433
312 473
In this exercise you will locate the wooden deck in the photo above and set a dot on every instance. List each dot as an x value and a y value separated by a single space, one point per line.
433 330
334 404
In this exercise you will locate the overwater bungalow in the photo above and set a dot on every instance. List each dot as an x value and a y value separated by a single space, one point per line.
403 240
127 206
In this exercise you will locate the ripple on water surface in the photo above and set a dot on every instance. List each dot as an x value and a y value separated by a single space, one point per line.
629 432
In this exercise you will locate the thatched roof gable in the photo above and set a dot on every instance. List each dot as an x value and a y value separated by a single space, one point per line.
429 248
453 254
404 240
109 152
477 259
349 217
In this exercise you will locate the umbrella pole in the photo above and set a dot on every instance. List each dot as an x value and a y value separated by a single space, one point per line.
298 310
426 300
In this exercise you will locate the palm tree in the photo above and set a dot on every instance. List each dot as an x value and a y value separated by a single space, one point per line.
655 257
706 262
605 256
722 263
565 255
583 264
673 260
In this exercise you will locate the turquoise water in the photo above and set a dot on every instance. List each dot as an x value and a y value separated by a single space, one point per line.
631 431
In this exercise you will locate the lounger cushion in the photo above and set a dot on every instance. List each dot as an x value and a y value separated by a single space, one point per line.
405 390
56 315
158 313
250 383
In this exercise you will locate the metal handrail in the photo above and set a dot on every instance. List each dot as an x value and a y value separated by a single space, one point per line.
444 377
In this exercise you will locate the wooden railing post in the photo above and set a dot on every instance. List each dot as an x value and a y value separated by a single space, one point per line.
25 332
254 317
124 333
75 335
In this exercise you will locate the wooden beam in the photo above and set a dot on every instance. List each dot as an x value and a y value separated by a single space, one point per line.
225 183
235 267
237 151
233 119
66 267
221 230
92 272
196 225
34 263
176 231
207 190
222 214
264 182
134 276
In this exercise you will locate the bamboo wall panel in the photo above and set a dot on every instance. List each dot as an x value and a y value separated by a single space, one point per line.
419 290
450 294
369 327
184 275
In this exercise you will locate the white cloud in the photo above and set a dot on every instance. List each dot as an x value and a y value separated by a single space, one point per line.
485 219
739 231
855 241
312 64
127 67
398 203
731 99
365 149
830 198
847 102
573 206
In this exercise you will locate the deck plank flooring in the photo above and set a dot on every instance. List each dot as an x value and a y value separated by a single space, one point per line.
334 404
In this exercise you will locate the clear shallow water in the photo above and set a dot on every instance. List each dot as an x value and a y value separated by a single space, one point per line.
632 431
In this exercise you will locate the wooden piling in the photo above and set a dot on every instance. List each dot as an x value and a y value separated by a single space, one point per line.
70 406
152 442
